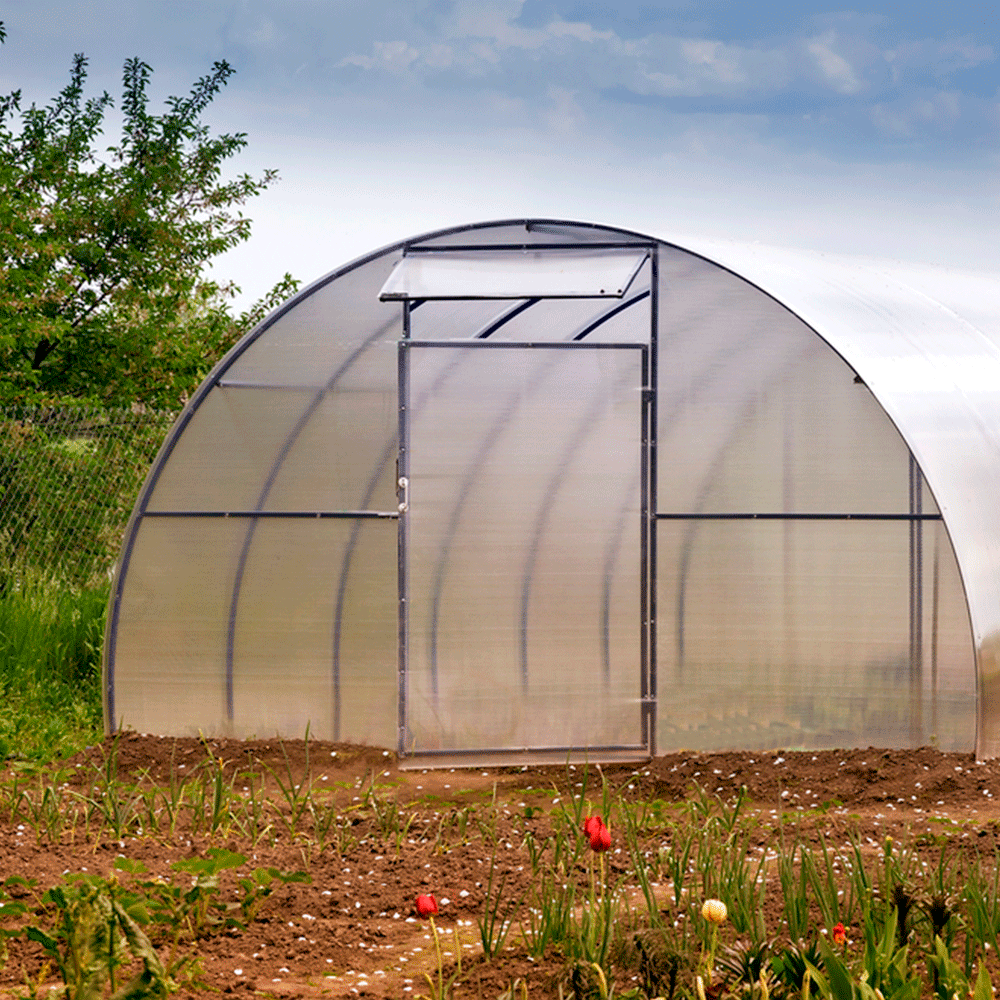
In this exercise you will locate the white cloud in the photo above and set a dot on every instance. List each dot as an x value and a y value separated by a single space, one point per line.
721 62
914 116
396 57
837 70
938 56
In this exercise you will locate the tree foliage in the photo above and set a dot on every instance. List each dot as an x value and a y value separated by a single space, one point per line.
103 252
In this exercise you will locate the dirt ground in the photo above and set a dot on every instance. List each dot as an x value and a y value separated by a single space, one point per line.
353 930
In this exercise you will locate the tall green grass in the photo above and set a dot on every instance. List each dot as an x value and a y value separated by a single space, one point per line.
50 666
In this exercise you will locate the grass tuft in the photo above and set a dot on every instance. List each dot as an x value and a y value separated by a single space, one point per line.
50 666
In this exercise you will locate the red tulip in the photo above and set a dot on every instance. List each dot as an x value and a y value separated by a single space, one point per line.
591 825
426 906
839 934
600 839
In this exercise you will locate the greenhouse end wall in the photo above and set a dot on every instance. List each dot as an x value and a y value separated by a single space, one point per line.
590 494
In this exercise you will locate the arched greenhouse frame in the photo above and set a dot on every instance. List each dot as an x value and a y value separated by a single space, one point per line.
540 490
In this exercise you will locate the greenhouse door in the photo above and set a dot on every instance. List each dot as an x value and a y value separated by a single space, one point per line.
523 555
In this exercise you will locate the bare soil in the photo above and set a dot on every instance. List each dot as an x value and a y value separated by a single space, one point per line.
353 930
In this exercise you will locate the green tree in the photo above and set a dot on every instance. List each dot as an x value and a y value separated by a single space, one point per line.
103 252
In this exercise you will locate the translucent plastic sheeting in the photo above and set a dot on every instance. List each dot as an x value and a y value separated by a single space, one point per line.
798 635
523 558
170 645
521 274
226 454
758 415
293 450
925 341
310 343
339 605
305 635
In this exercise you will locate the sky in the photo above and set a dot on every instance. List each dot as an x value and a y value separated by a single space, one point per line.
869 129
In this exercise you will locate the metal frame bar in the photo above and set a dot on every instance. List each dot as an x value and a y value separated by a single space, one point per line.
916 597
545 345
322 514
402 569
650 705
556 749
226 383
522 247
798 517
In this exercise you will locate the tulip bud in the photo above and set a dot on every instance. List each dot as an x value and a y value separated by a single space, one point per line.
714 911
426 906
600 840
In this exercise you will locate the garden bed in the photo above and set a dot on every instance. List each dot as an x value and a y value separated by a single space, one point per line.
370 838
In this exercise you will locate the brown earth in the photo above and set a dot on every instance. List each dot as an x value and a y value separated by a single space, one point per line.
353 930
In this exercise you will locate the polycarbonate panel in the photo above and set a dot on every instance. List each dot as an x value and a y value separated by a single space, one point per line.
315 631
450 319
170 666
925 340
314 640
311 343
342 455
523 559
228 450
758 415
948 656
517 275
797 634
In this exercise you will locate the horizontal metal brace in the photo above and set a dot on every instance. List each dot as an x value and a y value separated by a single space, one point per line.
798 517
232 383
527 247
471 752
554 345
298 514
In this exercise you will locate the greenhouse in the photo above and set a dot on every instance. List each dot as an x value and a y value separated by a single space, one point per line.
541 490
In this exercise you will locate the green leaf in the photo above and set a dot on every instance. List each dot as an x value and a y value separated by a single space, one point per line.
840 981
224 859
288 877
131 866
983 989
50 944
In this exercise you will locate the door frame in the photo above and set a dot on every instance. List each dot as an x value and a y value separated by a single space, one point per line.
646 611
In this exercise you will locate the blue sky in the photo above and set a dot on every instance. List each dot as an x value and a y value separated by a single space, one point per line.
873 130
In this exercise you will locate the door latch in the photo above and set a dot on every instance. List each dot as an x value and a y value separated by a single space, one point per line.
404 494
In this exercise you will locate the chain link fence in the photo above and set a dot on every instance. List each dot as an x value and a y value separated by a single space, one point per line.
68 480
